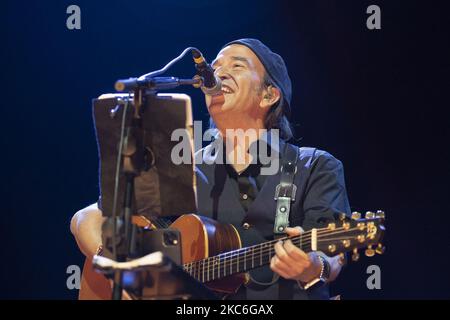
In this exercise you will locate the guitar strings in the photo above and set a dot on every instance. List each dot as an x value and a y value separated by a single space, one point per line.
238 252
205 273
234 258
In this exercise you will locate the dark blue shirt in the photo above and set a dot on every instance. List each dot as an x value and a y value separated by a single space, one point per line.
246 200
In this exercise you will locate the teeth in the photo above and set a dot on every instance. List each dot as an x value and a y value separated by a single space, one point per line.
226 90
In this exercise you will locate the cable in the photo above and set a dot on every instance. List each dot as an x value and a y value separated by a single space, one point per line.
116 178
167 66
119 155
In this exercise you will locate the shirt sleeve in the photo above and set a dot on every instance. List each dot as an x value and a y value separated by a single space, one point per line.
325 193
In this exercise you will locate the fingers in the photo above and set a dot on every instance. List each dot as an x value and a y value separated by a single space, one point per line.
289 261
282 254
294 252
280 267
289 253
294 231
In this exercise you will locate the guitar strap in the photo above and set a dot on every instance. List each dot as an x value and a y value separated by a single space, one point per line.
284 195
285 190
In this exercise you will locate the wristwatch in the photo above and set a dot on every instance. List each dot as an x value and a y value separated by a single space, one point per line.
323 276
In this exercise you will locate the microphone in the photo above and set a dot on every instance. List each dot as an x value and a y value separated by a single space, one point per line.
211 84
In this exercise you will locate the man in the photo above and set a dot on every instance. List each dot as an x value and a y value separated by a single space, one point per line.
256 95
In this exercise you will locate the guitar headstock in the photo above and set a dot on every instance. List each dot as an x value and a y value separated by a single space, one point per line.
353 234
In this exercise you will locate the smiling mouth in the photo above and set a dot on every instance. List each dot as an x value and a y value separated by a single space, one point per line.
226 89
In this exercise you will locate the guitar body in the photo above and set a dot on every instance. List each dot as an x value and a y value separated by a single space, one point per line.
201 238
93 286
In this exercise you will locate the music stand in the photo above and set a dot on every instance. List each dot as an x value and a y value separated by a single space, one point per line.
162 188
137 131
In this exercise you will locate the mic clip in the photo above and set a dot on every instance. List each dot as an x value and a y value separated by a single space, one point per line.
216 89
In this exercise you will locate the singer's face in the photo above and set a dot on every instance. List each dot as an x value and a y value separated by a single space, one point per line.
241 73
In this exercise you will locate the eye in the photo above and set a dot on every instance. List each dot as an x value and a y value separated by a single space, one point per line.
237 65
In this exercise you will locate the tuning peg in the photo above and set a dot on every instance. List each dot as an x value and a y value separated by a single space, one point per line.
342 216
331 226
332 248
369 251
361 226
369 215
380 249
346 243
380 214
355 255
356 215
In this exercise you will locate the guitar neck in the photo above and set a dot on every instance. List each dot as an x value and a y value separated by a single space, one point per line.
244 259
350 235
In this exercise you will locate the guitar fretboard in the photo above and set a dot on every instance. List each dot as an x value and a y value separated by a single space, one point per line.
241 260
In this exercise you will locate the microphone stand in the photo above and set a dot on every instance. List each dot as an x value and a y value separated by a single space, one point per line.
132 163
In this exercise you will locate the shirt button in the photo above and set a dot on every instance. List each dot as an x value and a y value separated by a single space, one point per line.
246 226
245 196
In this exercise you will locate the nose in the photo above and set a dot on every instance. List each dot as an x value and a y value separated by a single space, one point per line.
222 74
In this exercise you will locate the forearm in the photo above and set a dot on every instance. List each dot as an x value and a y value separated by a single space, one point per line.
86 226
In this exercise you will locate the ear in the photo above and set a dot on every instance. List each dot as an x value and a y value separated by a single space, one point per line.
270 96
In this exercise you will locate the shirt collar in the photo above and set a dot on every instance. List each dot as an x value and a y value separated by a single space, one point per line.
268 145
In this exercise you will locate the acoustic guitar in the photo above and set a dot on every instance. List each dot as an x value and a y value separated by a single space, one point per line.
213 254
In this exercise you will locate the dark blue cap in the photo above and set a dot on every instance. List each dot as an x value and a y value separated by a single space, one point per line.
274 65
